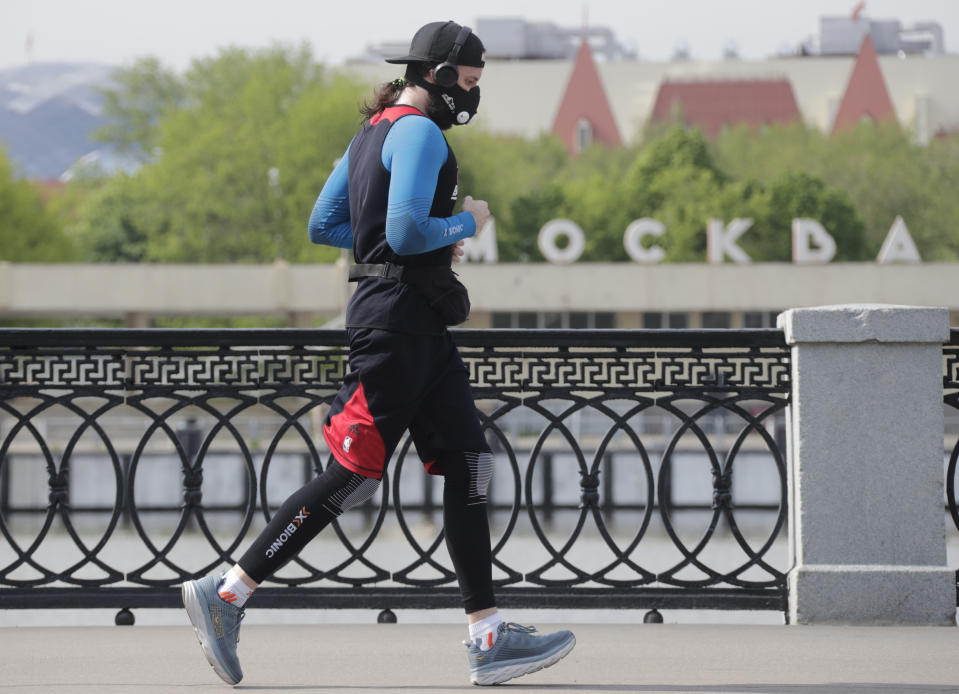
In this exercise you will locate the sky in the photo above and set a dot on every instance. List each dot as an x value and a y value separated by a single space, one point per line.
116 32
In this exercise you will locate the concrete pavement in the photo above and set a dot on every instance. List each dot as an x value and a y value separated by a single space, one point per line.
429 659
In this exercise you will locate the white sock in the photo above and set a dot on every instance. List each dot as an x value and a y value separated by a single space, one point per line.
233 590
484 632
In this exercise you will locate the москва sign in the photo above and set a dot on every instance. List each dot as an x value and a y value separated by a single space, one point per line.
811 243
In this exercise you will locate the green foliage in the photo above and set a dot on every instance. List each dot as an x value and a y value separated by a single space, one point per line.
529 213
145 92
30 231
675 179
239 162
677 148
792 195
503 169
684 198
672 179
880 169
113 222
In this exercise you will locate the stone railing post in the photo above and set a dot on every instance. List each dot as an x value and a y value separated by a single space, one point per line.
867 539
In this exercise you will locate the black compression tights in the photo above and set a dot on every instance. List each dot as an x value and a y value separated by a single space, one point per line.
315 505
467 527
304 514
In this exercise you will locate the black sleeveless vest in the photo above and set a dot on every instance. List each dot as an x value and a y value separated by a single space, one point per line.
383 303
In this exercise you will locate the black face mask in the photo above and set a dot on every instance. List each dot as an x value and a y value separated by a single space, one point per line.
451 106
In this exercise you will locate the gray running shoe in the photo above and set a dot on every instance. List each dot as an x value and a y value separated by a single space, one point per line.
517 652
217 626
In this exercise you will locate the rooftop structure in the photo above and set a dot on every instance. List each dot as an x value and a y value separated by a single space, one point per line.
844 35
514 38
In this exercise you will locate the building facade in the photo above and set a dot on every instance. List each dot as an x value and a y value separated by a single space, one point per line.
526 97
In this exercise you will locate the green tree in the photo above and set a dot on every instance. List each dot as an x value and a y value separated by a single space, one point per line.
502 169
687 197
144 92
674 179
529 212
240 160
29 231
318 128
791 195
113 222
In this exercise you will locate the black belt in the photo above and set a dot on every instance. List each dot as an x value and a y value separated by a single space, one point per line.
387 271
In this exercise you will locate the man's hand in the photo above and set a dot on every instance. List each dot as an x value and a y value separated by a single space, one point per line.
479 209
458 251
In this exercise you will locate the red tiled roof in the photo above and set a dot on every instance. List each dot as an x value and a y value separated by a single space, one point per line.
714 103
585 99
866 95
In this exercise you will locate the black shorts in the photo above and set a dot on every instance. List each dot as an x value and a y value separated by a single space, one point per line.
399 381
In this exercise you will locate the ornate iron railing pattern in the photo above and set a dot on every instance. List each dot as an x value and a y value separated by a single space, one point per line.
553 377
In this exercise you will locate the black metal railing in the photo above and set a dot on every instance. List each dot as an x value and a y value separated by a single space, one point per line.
637 469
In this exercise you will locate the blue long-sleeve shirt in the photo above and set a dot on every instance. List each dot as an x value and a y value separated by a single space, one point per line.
413 152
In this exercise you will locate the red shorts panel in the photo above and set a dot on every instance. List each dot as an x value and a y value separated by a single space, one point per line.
354 439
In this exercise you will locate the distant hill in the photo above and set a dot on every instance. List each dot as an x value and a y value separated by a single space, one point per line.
47 113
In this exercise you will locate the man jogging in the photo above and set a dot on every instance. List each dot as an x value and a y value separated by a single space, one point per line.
390 199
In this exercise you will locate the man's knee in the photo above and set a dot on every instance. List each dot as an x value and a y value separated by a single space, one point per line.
349 489
479 466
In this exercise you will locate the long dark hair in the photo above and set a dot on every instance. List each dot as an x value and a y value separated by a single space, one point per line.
388 92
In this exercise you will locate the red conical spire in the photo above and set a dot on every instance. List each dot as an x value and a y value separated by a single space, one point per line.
866 94
585 100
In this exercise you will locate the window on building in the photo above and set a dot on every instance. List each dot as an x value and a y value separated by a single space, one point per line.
671 320
554 320
527 320
652 321
713 320
604 321
584 134
760 319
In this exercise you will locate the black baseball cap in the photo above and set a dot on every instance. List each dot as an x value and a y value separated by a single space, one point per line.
433 42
